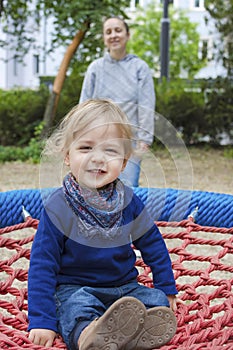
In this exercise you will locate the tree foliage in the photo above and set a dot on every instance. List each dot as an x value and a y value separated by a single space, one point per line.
16 17
72 22
222 12
21 20
184 41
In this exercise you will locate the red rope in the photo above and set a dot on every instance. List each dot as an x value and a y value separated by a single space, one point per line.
202 263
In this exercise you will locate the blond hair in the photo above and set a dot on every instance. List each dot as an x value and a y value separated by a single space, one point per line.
80 117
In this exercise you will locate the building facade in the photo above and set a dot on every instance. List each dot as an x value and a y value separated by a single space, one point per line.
26 73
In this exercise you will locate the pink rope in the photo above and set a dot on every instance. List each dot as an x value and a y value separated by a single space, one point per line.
204 280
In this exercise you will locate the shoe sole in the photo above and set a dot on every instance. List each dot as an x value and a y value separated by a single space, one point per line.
158 329
122 321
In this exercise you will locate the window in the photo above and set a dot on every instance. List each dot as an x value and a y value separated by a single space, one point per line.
204 49
135 3
15 66
169 2
198 4
36 66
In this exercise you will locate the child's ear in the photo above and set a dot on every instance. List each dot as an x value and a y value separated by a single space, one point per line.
67 160
124 164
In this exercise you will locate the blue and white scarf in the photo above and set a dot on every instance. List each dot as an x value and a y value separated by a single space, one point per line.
100 211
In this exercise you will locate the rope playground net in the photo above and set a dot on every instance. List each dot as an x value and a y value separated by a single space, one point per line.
201 257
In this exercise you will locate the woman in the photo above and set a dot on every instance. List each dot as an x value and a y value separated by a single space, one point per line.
127 80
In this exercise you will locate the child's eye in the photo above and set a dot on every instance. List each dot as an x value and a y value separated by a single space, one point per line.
111 151
84 148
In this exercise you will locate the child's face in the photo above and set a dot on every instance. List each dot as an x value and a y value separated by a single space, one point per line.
96 157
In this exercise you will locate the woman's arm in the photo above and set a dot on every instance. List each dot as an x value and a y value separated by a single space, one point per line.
146 104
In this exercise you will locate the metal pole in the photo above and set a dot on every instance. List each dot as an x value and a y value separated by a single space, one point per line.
164 41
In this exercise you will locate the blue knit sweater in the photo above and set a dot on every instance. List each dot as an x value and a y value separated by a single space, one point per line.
61 256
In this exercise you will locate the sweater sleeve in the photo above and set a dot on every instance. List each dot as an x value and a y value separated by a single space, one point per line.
154 253
146 104
42 277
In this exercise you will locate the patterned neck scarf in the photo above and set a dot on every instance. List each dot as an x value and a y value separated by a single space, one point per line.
97 208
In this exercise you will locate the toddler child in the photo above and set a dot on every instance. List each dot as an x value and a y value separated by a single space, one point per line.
82 277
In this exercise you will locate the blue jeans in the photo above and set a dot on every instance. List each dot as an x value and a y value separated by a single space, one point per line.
77 305
130 175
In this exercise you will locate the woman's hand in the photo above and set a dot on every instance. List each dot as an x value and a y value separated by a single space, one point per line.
43 337
142 147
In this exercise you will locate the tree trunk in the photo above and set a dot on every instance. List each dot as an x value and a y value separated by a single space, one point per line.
52 103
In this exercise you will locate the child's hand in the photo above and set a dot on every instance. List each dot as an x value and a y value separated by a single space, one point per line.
44 337
173 301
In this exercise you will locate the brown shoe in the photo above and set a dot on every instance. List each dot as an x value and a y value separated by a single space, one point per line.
117 327
158 329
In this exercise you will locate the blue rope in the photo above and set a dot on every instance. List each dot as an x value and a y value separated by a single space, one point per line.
214 209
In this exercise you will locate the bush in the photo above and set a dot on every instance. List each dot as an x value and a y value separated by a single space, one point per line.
218 109
9 154
23 154
203 109
183 106
31 153
20 112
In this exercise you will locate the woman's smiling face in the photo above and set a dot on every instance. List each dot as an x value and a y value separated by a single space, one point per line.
115 35
97 156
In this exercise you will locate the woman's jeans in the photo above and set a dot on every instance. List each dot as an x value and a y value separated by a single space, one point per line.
131 174
77 306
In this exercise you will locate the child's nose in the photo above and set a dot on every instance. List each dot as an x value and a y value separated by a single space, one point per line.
97 156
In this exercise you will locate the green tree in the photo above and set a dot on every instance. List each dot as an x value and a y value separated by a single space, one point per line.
14 22
72 21
184 41
222 12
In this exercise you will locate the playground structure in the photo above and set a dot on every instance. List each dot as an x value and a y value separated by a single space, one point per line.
198 230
